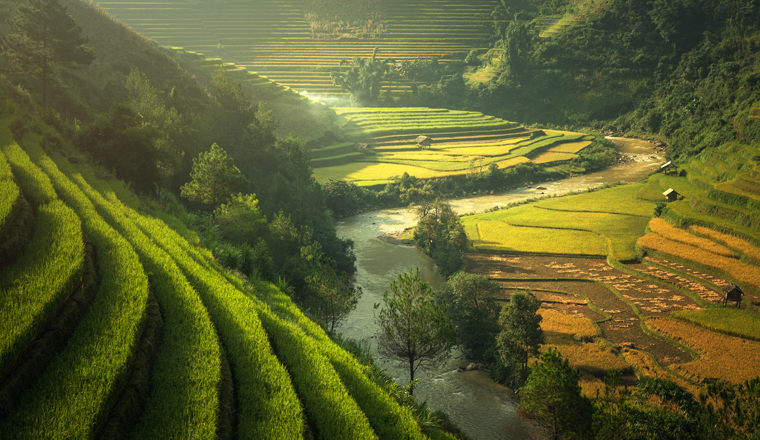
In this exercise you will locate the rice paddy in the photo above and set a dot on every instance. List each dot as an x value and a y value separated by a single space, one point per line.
461 142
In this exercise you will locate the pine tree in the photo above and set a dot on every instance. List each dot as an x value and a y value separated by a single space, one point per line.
45 39
215 178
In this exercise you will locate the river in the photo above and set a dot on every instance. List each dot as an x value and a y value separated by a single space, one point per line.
484 409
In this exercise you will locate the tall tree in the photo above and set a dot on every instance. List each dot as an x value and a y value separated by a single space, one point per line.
412 326
45 39
215 178
473 310
335 296
440 234
552 398
522 335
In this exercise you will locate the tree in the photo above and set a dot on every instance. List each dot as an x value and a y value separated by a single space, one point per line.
473 310
336 296
522 335
45 38
364 79
215 178
552 398
412 326
240 220
440 234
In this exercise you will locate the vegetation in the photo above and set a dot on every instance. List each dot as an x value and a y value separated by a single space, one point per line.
521 335
412 326
440 235
552 398
473 311
215 177
45 39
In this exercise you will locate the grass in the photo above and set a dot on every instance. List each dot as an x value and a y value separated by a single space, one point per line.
733 242
551 156
742 272
80 383
36 185
663 228
34 287
721 357
9 199
572 225
728 320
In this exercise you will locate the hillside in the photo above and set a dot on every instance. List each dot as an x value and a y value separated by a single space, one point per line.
145 333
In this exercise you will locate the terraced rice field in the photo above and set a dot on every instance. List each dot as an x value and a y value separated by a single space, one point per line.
136 331
462 142
272 38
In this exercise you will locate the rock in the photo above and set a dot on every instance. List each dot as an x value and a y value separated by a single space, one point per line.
475 366
630 345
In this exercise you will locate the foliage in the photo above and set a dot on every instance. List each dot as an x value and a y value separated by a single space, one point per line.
45 39
521 335
412 326
552 398
335 296
440 234
215 178
472 310
240 219
364 79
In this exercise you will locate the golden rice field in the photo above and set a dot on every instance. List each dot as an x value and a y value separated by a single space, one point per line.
597 223
721 357
739 270
661 227
552 156
733 242
729 320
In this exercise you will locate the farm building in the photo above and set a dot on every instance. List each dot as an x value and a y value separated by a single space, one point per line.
423 141
670 167
733 293
671 195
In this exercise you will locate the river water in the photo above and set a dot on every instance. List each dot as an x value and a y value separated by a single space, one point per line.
484 409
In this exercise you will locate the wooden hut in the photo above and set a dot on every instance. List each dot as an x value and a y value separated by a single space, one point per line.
423 141
671 195
732 293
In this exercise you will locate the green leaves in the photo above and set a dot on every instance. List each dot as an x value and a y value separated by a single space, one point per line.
522 334
215 178
412 325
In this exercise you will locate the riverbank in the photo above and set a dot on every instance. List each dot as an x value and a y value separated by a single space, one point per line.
481 407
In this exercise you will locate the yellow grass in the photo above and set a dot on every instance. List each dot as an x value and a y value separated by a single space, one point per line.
580 327
496 235
571 147
512 162
742 272
485 150
731 241
647 367
665 229
551 156
723 357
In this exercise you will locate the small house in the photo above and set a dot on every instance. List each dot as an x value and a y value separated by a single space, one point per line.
423 141
671 195
669 167
732 293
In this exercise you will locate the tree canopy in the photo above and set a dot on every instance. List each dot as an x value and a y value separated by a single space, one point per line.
45 38
521 335
412 326
214 178
440 234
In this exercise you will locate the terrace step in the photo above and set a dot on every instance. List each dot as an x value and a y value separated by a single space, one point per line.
725 211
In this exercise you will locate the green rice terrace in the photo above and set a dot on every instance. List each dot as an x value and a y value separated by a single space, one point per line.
224 357
273 39
382 145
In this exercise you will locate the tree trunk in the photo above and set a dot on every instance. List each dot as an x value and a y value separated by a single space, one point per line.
411 373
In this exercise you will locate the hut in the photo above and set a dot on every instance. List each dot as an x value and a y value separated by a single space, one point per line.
671 195
423 141
732 293
669 167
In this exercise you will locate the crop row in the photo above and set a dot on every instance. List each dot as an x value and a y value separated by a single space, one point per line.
70 398
500 236
728 320
43 277
9 196
740 271
664 229
727 357
184 401
733 242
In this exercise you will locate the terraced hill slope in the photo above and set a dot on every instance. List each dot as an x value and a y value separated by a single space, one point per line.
272 38
129 328
462 142
659 295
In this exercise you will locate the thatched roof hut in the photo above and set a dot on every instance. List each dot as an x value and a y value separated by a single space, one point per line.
671 195
423 141
732 292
